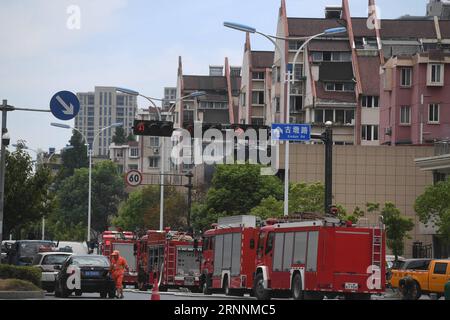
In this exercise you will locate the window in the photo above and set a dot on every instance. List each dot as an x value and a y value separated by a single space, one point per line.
346 117
91 100
348 86
369 133
331 56
436 74
153 162
405 78
300 248
318 116
405 115
296 103
295 44
329 115
340 117
298 74
258 75
134 153
258 97
243 99
433 113
277 105
313 243
121 100
154 142
440 268
370 101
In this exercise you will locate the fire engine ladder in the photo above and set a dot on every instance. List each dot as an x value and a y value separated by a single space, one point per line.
171 262
377 246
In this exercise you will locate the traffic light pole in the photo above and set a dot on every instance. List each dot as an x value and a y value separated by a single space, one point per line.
189 186
327 138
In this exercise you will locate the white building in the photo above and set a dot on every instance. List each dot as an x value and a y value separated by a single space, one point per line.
100 109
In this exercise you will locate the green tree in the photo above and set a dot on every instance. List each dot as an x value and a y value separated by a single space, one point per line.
26 193
269 207
304 197
354 217
131 137
235 190
397 226
120 136
141 211
433 207
108 190
74 158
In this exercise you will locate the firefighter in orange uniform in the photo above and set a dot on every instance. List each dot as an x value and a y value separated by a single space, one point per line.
118 267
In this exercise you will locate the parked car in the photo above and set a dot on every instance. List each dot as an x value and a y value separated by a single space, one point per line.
94 276
23 252
404 266
430 280
47 261
78 248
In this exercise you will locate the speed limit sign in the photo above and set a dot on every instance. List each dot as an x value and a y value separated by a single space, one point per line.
134 178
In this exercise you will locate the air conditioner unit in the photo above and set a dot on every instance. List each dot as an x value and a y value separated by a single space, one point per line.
388 131
296 91
156 150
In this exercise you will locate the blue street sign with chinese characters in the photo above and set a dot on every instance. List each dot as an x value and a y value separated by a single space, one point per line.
65 105
291 132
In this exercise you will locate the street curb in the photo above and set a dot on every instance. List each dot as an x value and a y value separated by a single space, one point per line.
191 295
20 295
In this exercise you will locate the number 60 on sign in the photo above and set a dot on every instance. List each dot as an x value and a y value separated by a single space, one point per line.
133 178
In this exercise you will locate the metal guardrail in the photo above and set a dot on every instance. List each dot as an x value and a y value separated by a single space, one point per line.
442 147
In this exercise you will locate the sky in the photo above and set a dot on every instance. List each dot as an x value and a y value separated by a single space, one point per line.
129 43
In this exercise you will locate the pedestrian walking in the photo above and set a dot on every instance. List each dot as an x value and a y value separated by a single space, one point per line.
118 267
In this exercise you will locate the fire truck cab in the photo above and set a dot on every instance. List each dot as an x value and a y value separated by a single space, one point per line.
126 243
228 256
317 258
169 257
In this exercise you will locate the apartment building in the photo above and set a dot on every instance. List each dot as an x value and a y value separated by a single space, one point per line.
102 108
339 77
255 98
170 97
416 98
221 103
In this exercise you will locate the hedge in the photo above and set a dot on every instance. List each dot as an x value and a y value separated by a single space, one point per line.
31 274
17 285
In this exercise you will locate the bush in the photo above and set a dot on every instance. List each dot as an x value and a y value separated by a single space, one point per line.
31 274
17 285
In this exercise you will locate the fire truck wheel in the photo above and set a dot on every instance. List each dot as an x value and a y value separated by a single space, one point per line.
260 292
226 287
297 291
78 293
163 289
103 294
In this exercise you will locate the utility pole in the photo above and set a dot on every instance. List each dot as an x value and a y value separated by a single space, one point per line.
189 186
327 138
5 108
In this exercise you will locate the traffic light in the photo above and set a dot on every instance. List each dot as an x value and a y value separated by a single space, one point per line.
153 128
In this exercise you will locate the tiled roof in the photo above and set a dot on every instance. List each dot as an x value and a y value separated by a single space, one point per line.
204 83
395 28
336 71
369 69
334 96
262 59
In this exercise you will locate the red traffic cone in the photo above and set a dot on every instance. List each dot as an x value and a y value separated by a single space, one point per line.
155 291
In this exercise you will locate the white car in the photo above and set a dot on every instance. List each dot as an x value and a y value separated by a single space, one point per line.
47 261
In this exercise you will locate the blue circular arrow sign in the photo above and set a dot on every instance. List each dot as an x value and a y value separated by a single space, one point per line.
65 105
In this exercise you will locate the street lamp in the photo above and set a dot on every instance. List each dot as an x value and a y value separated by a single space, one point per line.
90 152
195 94
290 81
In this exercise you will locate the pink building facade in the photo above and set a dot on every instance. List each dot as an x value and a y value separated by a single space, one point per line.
415 99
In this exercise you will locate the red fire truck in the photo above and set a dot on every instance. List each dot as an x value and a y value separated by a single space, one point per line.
171 257
126 243
228 256
317 258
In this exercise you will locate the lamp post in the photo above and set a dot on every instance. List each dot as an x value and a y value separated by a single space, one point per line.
152 101
290 80
90 152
